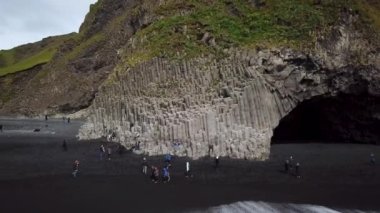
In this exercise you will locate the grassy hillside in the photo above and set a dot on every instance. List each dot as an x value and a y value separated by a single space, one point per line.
30 55
228 23
243 23
18 65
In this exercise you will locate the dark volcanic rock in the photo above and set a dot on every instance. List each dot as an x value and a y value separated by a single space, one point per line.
234 104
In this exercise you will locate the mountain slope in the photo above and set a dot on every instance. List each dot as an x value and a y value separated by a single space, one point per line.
30 55
120 33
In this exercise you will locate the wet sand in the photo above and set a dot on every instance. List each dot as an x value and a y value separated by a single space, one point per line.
35 176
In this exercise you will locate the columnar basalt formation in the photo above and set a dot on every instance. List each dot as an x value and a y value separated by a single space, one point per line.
227 107
230 106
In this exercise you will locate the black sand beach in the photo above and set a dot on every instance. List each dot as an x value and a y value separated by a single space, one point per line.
35 176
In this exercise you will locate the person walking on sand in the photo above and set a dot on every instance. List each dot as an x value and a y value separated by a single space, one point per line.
121 149
168 159
64 146
144 166
165 174
75 168
109 152
1 127
155 174
187 171
216 161
372 159
68 120
298 172
291 162
102 152
286 165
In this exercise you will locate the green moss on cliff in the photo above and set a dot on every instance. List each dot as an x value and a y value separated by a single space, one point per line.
32 61
30 55
84 45
238 23
370 11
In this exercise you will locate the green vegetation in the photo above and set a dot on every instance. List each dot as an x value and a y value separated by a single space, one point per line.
239 23
84 45
11 64
30 55
183 23
370 11
6 93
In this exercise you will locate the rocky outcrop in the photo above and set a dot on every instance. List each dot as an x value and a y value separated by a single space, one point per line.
82 62
230 106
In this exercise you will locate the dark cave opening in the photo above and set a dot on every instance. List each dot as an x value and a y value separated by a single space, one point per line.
338 119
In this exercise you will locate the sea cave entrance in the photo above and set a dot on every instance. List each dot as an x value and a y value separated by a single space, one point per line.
338 119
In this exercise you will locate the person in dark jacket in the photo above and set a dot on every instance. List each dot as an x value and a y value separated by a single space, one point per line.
298 172
144 166
372 159
291 163
109 152
75 168
286 165
216 161
64 145
155 174
121 149
102 152
168 158
165 174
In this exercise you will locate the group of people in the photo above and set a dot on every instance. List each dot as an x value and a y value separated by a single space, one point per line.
102 152
291 168
294 169
165 177
63 118
155 172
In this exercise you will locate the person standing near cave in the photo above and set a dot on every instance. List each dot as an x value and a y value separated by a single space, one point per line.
372 159
64 146
291 162
121 149
109 152
297 171
168 159
286 165
144 166
102 152
187 172
216 161
155 174
165 174
75 168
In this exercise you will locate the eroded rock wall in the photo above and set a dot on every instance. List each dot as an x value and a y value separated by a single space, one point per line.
227 107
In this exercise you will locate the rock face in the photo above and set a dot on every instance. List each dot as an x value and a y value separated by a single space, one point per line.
82 62
230 106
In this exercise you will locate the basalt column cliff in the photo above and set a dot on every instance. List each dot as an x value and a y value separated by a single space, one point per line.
228 101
